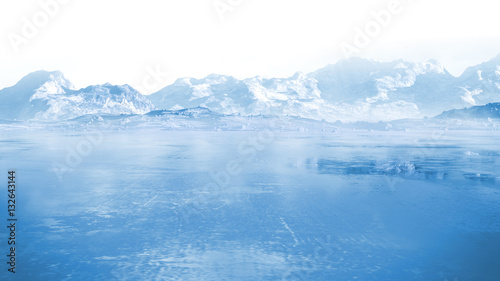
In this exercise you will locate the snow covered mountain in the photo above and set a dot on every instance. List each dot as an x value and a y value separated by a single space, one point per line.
352 90
29 96
480 84
427 87
297 96
44 95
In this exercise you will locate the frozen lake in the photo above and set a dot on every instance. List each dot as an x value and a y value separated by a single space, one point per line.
153 204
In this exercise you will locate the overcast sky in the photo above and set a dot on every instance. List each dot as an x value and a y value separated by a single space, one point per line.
121 42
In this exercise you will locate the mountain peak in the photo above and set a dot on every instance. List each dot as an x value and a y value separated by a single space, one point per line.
357 65
491 62
490 66
299 76
496 58
111 89
38 78
434 61
351 60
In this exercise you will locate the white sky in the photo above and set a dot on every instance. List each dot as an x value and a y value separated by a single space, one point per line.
116 41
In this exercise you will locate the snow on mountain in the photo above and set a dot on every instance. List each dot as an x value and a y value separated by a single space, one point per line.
297 95
480 84
352 90
356 78
46 95
393 87
99 99
28 97
220 93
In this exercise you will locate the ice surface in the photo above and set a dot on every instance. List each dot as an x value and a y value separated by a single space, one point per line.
148 202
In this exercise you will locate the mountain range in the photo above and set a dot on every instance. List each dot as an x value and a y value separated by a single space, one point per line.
44 95
353 89
491 110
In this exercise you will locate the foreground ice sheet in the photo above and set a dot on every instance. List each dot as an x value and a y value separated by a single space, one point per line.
328 205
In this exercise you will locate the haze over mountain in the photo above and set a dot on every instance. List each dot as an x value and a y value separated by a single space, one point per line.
352 90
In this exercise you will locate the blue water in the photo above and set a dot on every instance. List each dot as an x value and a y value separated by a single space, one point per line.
153 204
